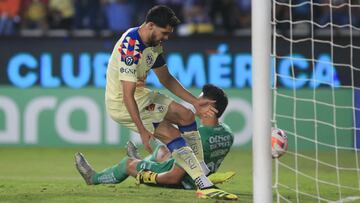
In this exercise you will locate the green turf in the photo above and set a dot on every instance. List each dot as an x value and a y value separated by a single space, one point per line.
49 175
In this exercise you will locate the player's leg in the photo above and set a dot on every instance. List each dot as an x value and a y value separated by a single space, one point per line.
112 175
149 172
171 178
182 153
162 154
166 172
185 120
186 159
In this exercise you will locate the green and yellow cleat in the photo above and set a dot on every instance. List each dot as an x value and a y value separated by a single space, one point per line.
213 193
146 177
219 178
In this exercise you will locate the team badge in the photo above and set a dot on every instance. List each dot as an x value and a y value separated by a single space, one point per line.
129 60
160 108
149 60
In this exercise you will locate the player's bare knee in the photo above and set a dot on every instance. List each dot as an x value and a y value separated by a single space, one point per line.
166 132
163 154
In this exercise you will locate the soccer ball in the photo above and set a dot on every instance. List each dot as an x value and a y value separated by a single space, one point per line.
279 142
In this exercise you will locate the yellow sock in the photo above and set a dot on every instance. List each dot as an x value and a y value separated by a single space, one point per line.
194 141
185 157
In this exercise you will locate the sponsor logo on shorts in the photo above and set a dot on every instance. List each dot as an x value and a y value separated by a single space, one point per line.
127 71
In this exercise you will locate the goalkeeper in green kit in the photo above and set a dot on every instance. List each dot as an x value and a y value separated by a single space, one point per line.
160 168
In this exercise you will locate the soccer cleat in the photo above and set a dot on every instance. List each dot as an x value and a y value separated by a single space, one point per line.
146 177
219 178
131 150
84 168
214 193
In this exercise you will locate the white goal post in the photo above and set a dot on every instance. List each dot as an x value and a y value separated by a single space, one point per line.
261 100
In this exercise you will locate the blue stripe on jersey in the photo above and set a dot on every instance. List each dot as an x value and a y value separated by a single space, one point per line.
134 34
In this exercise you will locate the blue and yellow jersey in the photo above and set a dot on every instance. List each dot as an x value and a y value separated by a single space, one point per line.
131 60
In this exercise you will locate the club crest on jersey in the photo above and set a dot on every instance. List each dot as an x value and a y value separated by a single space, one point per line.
149 60
129 60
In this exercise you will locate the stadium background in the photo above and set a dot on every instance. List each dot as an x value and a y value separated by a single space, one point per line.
53 88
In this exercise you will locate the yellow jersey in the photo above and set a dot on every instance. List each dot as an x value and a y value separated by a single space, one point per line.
131 60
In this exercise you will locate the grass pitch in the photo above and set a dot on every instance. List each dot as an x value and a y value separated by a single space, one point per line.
49 175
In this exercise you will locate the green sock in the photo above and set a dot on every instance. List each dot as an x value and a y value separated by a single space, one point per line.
114 174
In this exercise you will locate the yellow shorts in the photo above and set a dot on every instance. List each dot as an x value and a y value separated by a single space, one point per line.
152 105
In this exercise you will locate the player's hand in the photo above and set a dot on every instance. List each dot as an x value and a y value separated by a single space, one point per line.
204 108
146 136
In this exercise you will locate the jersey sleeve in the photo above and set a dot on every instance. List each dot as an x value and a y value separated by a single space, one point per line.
128 59
159 62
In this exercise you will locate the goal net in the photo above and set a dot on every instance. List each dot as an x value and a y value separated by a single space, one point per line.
316 99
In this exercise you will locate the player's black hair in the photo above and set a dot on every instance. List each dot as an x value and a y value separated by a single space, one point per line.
162 16
215 93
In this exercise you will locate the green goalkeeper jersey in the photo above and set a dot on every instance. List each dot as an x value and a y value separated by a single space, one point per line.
217 141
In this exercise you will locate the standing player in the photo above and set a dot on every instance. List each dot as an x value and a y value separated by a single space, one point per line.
150 113
160 168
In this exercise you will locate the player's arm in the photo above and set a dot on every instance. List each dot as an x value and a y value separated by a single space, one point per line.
172 84
130 103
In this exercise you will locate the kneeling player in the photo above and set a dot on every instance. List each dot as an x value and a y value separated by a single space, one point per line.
160 168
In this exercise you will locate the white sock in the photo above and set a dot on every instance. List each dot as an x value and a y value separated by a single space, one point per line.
203 182
204 167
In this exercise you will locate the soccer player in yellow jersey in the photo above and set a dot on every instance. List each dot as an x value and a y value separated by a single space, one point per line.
150 113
